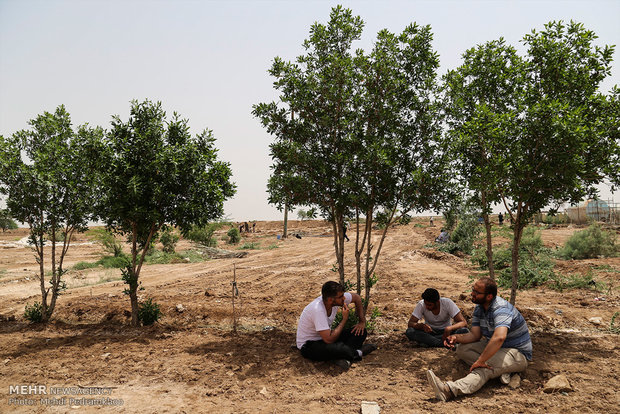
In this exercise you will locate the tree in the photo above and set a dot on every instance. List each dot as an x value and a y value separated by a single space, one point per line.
156 175
364 136
52 191
563 144
6 222
479 99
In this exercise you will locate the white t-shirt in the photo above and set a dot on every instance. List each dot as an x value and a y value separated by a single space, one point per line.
447 311
314 319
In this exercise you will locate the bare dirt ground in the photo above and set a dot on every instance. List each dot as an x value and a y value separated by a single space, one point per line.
192 361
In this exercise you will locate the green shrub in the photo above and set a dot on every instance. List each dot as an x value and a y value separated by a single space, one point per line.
148 312
464 235
34 313
250 246
6 222
204 235
613 328
382 218
114 262
234 236
161 257
85 265
535 262
574 281
169 240
590 243
450 217
404 219
108 241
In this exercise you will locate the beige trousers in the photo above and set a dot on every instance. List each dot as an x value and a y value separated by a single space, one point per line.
504 360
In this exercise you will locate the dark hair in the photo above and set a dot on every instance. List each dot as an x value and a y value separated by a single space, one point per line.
490 287
431 295
331 289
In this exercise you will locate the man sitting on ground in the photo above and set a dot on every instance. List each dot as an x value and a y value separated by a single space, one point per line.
319 342
443 237
438 314
499 343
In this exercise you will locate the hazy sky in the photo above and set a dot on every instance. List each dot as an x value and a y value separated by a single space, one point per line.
208 60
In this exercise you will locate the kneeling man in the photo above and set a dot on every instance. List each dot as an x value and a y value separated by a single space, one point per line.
499 343
316 339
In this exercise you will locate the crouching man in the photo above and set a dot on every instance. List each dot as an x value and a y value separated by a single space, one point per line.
319 342
499 343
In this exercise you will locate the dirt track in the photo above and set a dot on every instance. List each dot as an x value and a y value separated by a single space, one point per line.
193 362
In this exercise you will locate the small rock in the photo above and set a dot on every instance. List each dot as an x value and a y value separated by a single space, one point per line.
558 383
6 361
515 381
559 312
370 407
583 303
106 355
263 391
180 308
596 320
207 293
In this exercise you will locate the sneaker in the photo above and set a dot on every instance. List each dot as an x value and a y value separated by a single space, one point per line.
442 391
505 378
368 348
345 364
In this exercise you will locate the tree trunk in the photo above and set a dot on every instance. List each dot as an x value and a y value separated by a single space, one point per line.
133 297
518 231
285 221
487 227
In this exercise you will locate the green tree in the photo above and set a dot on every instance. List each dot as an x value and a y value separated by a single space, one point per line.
480 98
364 136
6 222
156 175
562 146
53 190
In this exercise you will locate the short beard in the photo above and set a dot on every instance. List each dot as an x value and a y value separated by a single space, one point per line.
479 301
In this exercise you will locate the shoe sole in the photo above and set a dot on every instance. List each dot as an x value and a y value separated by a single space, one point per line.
343 364
505 378
433 380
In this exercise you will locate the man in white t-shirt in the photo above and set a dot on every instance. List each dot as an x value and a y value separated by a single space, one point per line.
319 342
441 318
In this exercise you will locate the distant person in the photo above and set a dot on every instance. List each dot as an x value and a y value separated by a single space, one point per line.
500 218
499 343
443 237
431 224
344 230
254 227
241 228
319 342
246 227
438 314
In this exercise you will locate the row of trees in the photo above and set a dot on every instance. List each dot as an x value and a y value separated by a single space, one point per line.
359 133
141 176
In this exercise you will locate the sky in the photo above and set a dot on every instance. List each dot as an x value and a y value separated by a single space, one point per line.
208 60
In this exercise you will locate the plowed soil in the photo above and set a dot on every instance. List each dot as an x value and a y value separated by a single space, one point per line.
192 360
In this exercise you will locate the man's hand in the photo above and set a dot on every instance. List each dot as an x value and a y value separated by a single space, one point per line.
358 329
479 364
446 333
345 313
424 327
450 341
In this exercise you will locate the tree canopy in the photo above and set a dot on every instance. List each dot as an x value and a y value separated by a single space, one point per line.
155 174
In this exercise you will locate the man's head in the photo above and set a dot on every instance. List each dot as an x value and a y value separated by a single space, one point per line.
333 293
431 297
484 291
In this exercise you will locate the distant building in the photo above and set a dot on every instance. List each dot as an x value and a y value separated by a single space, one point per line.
597 210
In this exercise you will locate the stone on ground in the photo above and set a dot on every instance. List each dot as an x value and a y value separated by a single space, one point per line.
559 383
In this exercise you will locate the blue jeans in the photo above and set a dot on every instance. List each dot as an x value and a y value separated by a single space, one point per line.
430 339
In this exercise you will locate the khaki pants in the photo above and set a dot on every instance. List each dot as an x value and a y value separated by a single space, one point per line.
504 360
